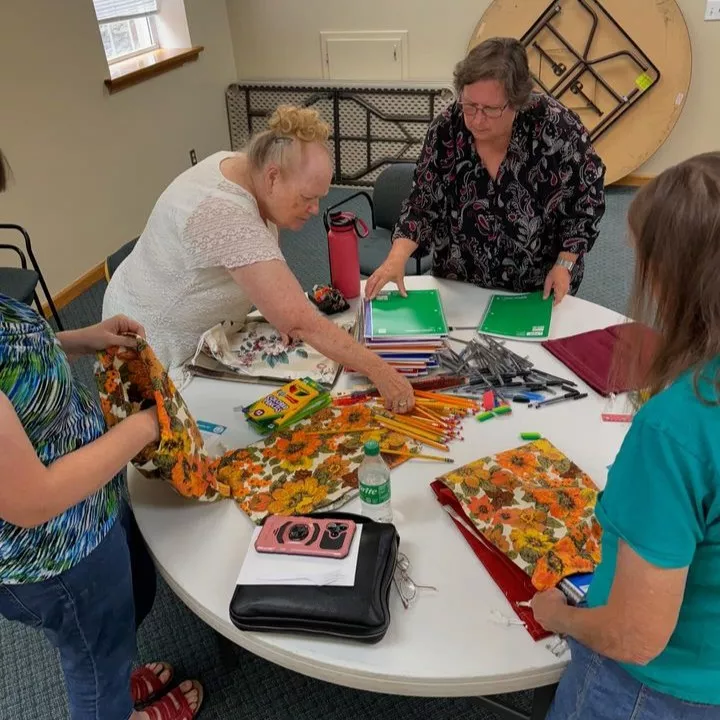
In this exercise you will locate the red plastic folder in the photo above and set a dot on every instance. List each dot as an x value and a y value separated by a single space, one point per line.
590 356
513 582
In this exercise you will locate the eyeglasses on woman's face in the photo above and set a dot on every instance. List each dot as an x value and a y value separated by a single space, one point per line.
471 109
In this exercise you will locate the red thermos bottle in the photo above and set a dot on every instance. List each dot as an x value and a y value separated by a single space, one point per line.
343 231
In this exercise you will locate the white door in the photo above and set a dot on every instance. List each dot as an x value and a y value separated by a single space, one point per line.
364 57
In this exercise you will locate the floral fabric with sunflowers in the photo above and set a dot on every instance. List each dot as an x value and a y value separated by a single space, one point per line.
310 466
131 380
534 505
306 467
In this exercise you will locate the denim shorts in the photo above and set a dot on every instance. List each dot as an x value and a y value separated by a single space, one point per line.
596 688
90 613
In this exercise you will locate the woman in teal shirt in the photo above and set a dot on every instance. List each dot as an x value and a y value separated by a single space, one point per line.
647 646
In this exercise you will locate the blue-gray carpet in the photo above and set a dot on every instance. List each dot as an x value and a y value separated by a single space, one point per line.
239 685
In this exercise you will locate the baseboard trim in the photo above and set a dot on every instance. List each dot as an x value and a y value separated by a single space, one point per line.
634 180
74 290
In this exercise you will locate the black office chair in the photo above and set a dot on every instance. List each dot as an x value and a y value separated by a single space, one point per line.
392 187
112 262
21 282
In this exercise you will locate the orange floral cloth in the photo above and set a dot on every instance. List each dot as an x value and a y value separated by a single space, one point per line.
305 468
130 380
535 506
297 471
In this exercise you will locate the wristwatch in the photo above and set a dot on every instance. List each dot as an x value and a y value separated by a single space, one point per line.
567 264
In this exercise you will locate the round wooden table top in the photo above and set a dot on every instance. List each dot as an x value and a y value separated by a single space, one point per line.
655 90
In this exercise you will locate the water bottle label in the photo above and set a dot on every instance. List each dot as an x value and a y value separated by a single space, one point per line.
375 494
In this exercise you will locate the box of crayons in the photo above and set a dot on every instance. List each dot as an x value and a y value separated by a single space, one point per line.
287 405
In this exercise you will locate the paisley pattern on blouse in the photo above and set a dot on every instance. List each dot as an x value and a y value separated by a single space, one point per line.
548 197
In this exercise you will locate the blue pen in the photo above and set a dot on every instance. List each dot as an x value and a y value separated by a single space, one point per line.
528 397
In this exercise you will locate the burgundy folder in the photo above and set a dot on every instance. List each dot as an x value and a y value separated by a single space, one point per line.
511 580
590 356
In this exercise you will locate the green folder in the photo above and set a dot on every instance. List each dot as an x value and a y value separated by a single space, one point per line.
418 316
523 317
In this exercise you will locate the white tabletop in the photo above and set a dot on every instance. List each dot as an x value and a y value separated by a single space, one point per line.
446 644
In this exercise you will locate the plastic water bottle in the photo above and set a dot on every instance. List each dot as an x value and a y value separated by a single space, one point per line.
374 477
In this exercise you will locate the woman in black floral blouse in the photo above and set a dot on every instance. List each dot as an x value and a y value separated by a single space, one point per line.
508 191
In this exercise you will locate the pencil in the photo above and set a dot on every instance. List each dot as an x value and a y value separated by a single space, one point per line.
413 435
433 417
416 456
451 400
344 431
438 406
429 434
418 423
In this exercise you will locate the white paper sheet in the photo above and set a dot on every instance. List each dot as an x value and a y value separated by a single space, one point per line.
274 569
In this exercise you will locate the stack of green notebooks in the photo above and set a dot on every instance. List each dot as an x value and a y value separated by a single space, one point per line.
406 332
520 317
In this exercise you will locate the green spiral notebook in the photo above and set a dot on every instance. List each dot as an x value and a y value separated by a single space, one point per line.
417 316
521 317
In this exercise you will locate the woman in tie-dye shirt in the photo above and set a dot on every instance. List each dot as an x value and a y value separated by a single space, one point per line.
72 562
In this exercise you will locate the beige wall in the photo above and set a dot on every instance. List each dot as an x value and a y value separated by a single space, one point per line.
697 129
89 166
280 40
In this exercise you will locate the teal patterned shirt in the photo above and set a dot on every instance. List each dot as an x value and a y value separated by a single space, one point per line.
59 416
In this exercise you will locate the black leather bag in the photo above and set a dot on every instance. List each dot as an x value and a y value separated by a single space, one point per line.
359 613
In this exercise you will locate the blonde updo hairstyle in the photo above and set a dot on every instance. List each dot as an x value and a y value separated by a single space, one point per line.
288 126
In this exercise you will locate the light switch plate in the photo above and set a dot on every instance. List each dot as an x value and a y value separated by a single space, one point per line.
712 10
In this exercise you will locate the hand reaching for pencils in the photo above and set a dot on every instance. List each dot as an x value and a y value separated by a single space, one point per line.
396 391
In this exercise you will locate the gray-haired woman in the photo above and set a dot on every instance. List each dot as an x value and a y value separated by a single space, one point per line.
508 191
209 252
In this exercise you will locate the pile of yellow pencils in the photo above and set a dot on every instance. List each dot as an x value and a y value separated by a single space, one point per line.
434 421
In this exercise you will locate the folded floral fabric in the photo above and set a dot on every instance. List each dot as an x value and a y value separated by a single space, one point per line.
257 349
306 467
310 466
534 505
131 380
514 584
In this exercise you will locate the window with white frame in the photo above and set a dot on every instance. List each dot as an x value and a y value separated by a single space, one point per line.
127 27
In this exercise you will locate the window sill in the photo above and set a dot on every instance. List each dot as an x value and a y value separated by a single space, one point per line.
143 67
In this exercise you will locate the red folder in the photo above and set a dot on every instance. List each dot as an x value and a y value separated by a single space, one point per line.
513 582
590 356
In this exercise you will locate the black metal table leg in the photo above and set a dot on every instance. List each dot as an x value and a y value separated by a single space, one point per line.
542 700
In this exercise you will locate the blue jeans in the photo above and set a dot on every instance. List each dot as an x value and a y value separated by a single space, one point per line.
596 688
90 613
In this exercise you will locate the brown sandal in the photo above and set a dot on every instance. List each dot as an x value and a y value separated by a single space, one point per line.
174 705
146 685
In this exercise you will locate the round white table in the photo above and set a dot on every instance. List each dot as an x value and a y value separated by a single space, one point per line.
447 643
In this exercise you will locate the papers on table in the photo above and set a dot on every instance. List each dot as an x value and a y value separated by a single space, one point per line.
274 569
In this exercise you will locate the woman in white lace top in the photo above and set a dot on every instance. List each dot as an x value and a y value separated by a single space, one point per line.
210 251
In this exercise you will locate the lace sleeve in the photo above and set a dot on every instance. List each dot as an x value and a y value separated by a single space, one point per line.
221 233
